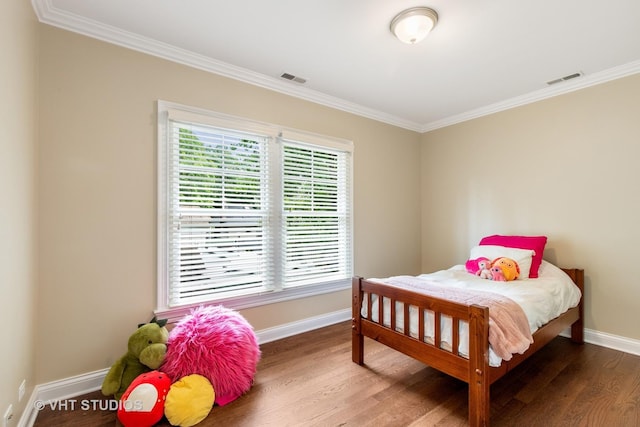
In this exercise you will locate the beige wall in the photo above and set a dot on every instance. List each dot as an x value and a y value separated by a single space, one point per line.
18 56
563 167
566 167
98 203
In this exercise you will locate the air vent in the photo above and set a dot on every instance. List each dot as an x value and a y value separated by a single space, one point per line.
293 78
565 78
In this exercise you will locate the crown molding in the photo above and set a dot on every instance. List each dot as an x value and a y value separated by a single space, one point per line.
50 15
539 95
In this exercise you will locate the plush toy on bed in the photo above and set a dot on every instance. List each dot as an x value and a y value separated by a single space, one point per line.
497 274
218 344
480 267
147 347
484 271
500 269
509 269
473 265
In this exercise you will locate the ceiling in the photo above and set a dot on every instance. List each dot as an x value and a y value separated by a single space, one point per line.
483 56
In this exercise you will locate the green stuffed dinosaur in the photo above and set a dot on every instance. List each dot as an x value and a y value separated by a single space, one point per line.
146 350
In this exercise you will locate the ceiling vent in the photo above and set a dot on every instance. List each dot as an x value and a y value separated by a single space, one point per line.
293 78
565 78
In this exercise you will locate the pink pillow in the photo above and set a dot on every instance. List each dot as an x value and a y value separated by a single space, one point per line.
535 243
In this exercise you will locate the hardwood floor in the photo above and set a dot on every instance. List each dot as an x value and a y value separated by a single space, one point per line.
309 380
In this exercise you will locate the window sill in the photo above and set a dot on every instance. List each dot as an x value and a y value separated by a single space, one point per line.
174 314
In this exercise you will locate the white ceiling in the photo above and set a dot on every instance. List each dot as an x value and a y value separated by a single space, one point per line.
483 56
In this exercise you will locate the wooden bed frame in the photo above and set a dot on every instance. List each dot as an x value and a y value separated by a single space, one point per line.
475 369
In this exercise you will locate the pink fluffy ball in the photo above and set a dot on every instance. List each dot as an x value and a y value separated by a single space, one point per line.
217 343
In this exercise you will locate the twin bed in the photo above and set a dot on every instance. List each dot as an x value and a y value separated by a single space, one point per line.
449 331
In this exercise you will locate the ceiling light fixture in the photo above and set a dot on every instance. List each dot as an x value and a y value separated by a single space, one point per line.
412 25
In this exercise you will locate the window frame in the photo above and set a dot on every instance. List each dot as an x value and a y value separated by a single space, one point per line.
279 136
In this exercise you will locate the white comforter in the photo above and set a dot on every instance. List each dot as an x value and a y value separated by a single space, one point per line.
541 299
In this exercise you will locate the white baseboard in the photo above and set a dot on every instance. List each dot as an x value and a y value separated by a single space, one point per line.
603 339
86 383
60 390
305 325
71 387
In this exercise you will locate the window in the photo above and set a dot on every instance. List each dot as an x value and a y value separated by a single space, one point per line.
249 213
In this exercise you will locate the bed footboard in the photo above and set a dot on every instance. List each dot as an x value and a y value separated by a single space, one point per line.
388 309
428 347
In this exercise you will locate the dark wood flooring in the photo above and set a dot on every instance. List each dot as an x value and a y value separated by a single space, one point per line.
309 380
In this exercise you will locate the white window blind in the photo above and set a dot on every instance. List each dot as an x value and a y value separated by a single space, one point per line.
218 213
248 210
316 214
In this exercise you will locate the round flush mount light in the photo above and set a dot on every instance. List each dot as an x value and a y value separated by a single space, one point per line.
412 25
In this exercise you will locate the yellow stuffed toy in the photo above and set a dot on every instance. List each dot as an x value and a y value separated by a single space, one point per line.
508 267
189 401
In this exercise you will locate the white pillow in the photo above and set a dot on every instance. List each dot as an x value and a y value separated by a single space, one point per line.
549 270
522 256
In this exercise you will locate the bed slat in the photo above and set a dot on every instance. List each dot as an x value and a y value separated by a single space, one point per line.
436 329
406 325
455 335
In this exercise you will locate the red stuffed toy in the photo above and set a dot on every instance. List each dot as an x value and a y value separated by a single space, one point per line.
142 404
